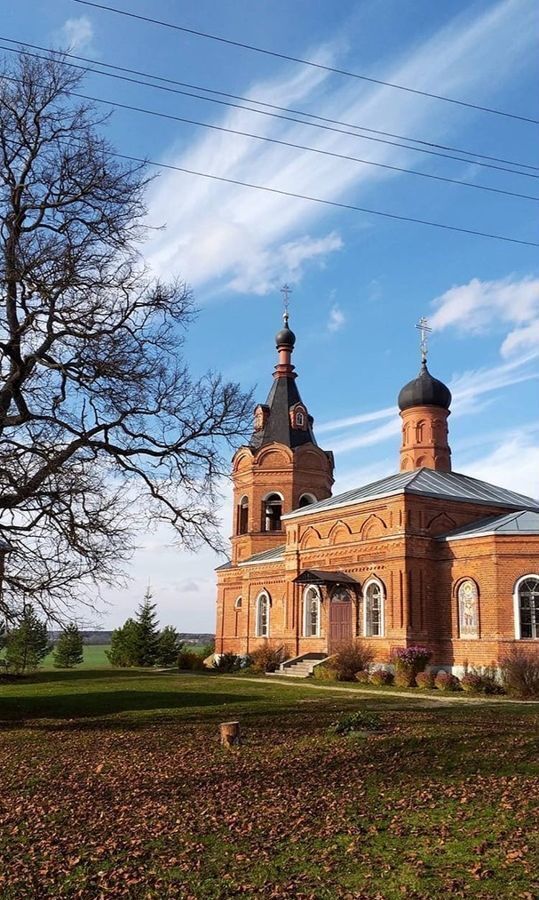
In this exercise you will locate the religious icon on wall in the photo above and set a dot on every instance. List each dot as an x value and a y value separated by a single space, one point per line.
468 599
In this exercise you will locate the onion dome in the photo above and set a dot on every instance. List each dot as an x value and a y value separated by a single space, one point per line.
285 337
424 391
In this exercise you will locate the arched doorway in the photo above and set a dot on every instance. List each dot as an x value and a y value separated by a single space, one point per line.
340 617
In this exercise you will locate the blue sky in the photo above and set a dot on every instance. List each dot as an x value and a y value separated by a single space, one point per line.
360 282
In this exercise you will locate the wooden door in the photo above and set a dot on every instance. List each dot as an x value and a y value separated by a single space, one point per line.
340 623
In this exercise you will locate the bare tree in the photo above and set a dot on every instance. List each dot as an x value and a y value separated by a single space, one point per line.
101 423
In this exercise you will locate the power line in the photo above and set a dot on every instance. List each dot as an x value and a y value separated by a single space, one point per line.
333 203
186 121
300 112
307 62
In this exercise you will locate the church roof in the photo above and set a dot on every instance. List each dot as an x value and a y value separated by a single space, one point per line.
282 397
427 483
525 522
267 556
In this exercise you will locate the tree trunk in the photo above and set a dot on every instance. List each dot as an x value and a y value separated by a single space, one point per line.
230 734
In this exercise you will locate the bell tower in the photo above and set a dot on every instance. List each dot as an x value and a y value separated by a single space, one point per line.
424 408
282 467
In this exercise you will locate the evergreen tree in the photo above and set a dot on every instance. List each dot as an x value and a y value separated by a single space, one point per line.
148 632
68 651
168 646
124 645
27 644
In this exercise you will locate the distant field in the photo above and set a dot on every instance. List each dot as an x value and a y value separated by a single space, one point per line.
94 657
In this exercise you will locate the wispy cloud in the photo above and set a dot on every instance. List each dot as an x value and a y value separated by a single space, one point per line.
237 237
76 34
336 319
481 306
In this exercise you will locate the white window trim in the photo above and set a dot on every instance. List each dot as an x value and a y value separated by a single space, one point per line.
367 584
311 587
273 494
238 603
258 632
516 606
312 498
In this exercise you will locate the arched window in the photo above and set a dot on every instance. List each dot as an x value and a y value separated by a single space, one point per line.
420 432
468 600
237 603
527 607
243 516
311 612
272 508
306 500
300 419
262 614
374 609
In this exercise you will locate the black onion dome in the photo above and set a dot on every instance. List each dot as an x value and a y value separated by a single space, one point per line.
424 391
285 337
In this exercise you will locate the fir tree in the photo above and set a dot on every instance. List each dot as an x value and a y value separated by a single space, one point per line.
168 646
124 645
27 644
148 632
68 651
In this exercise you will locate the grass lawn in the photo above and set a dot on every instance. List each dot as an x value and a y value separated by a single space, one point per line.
94 657
114 785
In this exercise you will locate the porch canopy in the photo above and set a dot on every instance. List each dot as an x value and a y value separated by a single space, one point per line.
317 576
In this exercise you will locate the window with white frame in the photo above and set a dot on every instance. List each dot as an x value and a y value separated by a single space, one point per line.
262 614
237 603
527 607
272 510
374 609
311 612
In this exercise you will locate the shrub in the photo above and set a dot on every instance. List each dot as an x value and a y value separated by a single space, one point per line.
520 673
381 677
408 662
68 651
444 681
324 672
227 662
190 661
472 683
357 721
362 677
267 658
425 680
351 658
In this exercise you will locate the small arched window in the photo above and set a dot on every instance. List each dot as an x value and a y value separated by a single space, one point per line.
272 509
527 607
468 600
262 614
300 419
243 516
374 609
306 500
311 612
420 432
237 603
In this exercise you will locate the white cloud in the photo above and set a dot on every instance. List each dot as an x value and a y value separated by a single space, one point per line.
336 318
514 464
77 34
224 234
481 306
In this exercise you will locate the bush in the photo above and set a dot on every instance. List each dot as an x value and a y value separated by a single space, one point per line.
425 680
190 661
267 658
362 677
408 662
68 651
357 721
472 683
324 672
444 681
27 645
227 662
350 659
381 677
520 673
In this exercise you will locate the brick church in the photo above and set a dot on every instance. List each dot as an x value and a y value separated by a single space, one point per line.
425 556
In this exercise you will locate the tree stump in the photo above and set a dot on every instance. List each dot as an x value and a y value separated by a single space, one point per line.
230 734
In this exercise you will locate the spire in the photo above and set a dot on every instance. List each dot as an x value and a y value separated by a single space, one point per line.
285 340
